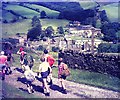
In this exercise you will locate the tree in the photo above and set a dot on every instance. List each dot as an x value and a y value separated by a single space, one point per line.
35 21
49 31
109 30
103 16
60 30
36 30
34 33
43 14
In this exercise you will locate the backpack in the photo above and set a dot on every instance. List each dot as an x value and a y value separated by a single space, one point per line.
22 54
65 71
50 60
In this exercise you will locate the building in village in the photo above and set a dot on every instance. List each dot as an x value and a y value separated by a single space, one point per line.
82 37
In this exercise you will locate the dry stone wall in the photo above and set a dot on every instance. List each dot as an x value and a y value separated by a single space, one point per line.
101 63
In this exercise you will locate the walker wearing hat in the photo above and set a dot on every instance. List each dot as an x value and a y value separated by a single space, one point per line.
3 64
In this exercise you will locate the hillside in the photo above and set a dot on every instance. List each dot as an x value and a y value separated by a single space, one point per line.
9 17
50 13
53 9
24 25
88 5
112 11
26 11
21 10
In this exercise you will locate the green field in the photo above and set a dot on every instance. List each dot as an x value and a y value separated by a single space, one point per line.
54 23
49 12
23 25
22 10
112 11
18 27
7 16
87 5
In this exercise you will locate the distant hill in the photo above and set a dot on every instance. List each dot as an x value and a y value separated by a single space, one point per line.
16 10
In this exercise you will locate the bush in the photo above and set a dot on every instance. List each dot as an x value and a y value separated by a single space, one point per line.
55 49
109 48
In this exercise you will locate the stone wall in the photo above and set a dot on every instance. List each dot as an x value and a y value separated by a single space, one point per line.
101 63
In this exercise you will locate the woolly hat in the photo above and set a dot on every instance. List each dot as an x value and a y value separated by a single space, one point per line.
2 52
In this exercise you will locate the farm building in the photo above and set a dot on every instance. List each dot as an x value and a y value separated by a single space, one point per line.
82 37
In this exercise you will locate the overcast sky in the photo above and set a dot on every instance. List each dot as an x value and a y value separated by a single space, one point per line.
61 0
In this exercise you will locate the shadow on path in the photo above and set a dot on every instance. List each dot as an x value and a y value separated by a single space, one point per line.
25 90
23 80
35 87
56 88
19 70
81 95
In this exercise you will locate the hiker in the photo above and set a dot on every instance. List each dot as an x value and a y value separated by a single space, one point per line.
8 53
50 60
22 53
30 77
44 69
63 72
3 64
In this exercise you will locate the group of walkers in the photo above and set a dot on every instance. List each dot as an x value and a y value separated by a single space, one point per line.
45 71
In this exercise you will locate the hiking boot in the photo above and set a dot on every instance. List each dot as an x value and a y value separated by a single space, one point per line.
64 91
32 91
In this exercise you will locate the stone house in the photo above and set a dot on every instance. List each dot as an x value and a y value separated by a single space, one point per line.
85 37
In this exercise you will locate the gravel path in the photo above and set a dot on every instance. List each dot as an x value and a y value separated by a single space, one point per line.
74 90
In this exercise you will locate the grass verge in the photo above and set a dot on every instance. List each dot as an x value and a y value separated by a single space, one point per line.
93 79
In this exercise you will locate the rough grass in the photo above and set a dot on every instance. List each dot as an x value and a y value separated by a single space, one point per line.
19 27
91 78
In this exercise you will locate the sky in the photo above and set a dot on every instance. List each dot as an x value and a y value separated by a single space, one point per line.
60 0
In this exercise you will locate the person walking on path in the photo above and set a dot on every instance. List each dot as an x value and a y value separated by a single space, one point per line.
22 53
63 72
30 77
49 58
3 64
44 69
8 53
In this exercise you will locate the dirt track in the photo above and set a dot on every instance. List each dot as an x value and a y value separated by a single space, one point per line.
74 90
